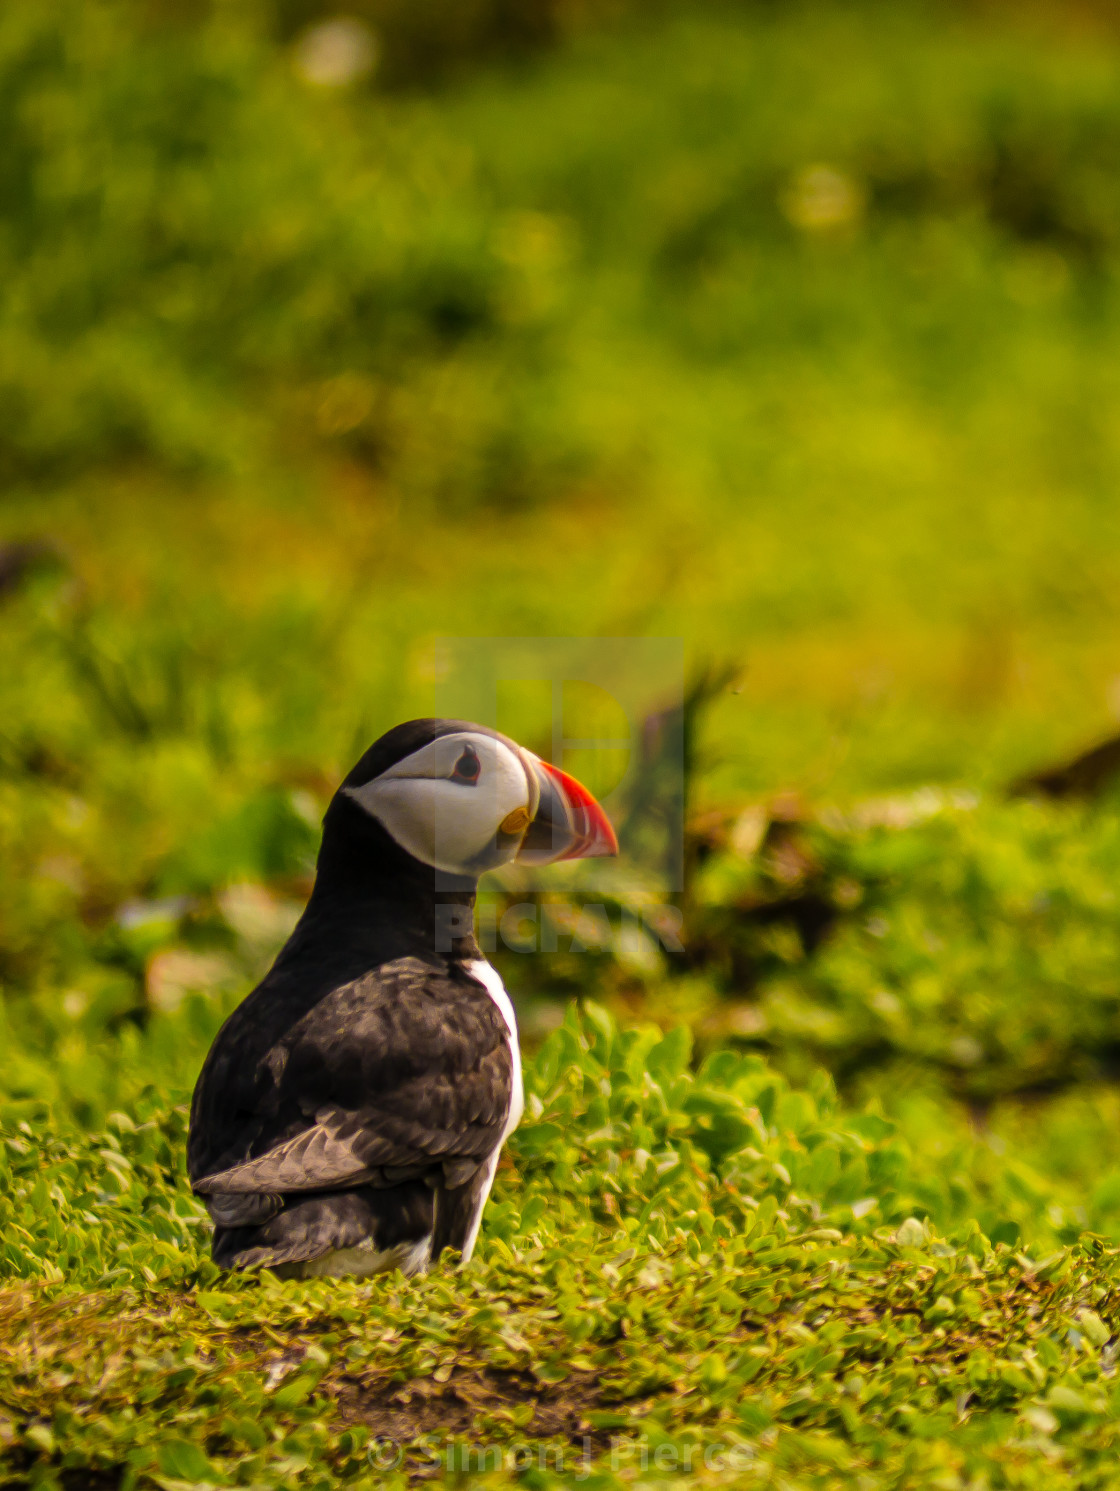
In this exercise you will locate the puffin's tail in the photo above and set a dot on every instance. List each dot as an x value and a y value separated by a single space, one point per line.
393 1221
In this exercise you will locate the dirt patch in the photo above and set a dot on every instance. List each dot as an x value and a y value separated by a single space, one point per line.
403 1412
16 1473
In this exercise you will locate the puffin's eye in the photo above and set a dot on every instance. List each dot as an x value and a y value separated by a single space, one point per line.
467 768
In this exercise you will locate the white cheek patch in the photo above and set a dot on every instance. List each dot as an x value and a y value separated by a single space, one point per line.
447 824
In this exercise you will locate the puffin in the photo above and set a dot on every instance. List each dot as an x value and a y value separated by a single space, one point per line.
351 1111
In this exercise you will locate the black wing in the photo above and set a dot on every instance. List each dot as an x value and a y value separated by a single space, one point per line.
395 1075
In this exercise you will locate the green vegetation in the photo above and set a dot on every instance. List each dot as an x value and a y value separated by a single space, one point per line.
684 1264
788 330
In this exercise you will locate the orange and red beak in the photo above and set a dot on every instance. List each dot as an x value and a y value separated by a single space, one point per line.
568 823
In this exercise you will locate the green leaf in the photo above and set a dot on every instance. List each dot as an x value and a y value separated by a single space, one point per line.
295 1391
184 1461
670 1056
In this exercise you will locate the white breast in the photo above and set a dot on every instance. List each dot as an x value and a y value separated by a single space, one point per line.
488 975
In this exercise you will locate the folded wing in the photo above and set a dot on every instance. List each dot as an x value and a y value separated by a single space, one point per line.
401 1076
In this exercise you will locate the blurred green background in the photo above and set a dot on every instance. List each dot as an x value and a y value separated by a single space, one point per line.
788 329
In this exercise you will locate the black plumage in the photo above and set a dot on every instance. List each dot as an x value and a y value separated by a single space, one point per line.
358 1097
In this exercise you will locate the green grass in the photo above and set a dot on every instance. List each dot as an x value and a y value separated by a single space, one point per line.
873 459
786 330
675 1266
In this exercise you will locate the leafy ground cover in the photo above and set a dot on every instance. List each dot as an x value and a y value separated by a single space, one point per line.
703 1272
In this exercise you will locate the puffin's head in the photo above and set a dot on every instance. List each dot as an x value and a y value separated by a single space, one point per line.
465 799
